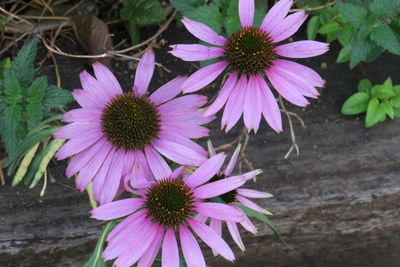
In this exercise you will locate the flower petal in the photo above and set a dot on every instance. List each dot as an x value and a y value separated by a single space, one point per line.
253 193
82 114
288 26
167 91
269 106
203 77
196 52
116 209
126 223
113 179
234 231
190 248
203 32
107 78
75 130
252 105
151 253
302 49
144 72
85 99
308 74
157 164
246 12
218 211
170 254
94 87
275 15
232 161
216 226
206 171
251 205
219 187
77 145
246 223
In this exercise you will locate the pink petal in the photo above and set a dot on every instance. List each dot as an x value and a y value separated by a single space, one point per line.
223 95
206 171
218 211
288 26
167 91
203 77
234 231
269 106
82 114
117 209
308 74
212 239
178 138
246 12
157 164
170 253
151 253
185 129
190 248
251 174
211 150
232 161
175 173
218 188
252 105
196 52
246 223
101 176
142 167
77 145
144 72
128 162
135 217
275 15
85 99
203 32
251 205
107 78
216 226
75 130
302 49
113 179
234 106
94 87
187 102
285 89
252 193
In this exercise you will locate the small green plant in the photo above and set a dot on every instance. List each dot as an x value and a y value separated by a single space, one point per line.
365 29
26 111
378 101
140 12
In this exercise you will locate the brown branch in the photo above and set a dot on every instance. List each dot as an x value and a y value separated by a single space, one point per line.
292 135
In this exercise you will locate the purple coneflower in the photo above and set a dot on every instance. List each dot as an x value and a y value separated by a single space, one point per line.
166 206
115 134
250 53
239 195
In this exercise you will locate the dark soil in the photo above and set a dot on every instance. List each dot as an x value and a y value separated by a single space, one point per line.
337 203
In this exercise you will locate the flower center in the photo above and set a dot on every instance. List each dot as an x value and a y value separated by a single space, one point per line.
228 197
249 51
169 202
130 122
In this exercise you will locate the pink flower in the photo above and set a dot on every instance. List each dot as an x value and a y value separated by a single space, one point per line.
236 195
252 53
115 134
165 206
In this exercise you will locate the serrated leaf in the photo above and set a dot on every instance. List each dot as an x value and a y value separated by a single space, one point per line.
330 37
12 115
354 14
185 6
327 15
208 14
23 63
12 87
356 104
56 97
384 8
35 113
364 85
142 11
344 54
96 260
331 27
383 91
384 36
396 89
13 99
359 51
346 35
388 109
375 113
395 102
375 52
312 27
37 89
397 112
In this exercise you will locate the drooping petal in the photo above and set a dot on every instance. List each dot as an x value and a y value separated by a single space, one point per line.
218 211
167 91
157 164
269 106
211 150
135 217
252 105
85 99
75 130
219 187
94 87
203 77
223 95
113 179
82 115
187 102
234 231
190 248
206 171
184 141
116 209
275 15
101 176
246 223
212 239
302 49
251 174
216 226
144 72
232 161
175 173
251 205
203 32
77 145
246 12
107 78
196 52
170 253
253 193
309 74
151 253
288 26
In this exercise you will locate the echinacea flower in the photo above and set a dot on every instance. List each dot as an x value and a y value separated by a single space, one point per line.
168 207
237 195
251 53
116 133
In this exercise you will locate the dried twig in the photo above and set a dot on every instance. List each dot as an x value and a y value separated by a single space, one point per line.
314 8
243 150
2 179
292 135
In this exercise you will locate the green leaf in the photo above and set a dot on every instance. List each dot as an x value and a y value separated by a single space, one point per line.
384 36
56 97
12 115
263 218
331 27
346 35
23 63
388 109
12 86
330 37
344 54
142 11
375 52
185 6
364 85
37 89
354 14
395 102
397 112
396 89
208 14
327 15
359 51
13 99
384 90
35 113
232 22
384 8
375 113
96 260
312 27
356 104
